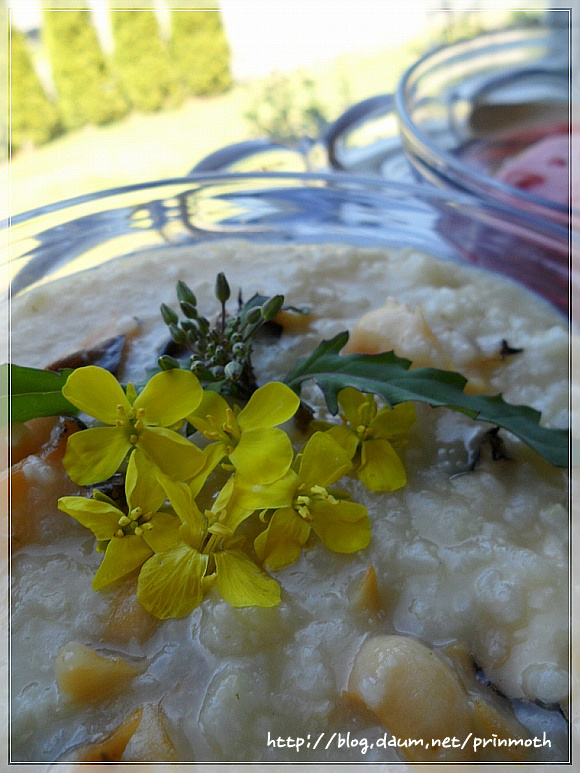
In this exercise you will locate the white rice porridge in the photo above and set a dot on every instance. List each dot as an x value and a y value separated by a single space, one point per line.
474 565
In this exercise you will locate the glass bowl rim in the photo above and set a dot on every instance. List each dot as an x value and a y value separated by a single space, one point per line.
445 160
373 185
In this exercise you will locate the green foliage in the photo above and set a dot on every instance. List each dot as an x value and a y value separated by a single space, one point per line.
33 393
389 376
36 393
142 61
4 54
523 18
286 108
34 118
201 51
219 354
87 91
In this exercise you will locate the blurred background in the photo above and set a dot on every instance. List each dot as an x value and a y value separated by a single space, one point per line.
104 94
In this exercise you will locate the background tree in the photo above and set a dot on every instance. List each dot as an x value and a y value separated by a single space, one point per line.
33 117
287 108
86 88
142 61
201 50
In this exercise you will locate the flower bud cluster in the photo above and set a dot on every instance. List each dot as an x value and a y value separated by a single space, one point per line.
220 351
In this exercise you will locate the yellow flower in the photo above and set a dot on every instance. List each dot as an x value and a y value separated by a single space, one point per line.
366 434
173 582
143 421
250 438
302 503
132 536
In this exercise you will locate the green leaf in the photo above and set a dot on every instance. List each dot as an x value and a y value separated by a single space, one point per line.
33 392
389 377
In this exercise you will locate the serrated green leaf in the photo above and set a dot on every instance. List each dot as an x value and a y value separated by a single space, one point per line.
32 393
388 376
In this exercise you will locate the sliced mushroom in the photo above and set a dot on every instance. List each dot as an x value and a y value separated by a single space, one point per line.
417 695
128 618
141 737
39 471
84 676
108 354
110 748
414 693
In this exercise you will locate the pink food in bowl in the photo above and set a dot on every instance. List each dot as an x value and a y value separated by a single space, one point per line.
541 169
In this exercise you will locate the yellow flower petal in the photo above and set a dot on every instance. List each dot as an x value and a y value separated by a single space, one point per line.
270 405
181 497
96 392
164 532
93 455
212 404
142 488
242 584
324 461
101 518
169 396
263 455
213 454
345 437
171 583
342 526
172 453
380 468
391 422
280 544
122 556
357 407
279 493
227 501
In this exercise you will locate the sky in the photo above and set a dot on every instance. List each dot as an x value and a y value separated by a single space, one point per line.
265 36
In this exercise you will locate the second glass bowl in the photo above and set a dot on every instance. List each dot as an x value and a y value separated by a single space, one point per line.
490 115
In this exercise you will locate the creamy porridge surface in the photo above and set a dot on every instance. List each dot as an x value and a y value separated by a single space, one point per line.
477 559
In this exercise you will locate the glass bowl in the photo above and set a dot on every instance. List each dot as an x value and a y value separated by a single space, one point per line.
364 140
277 208
82 232
491 115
